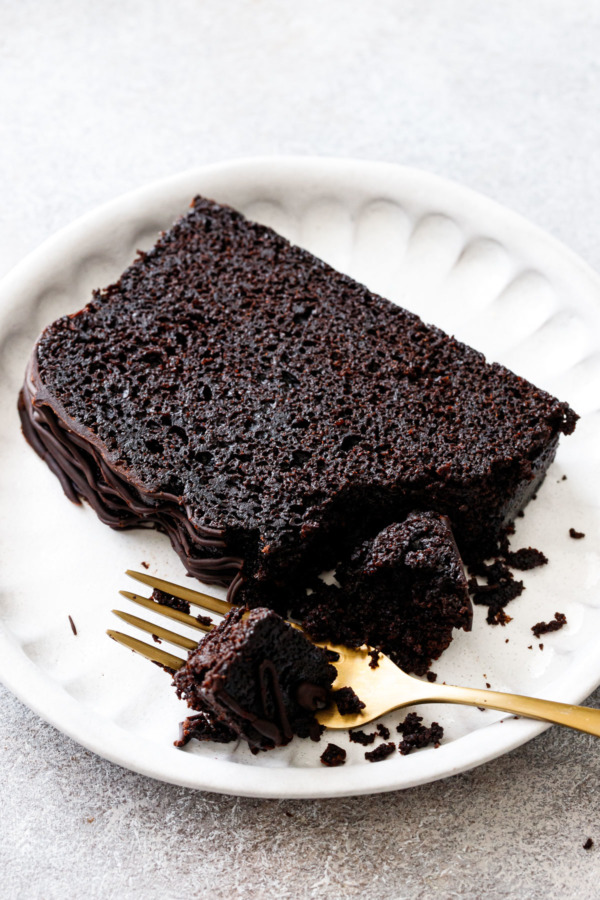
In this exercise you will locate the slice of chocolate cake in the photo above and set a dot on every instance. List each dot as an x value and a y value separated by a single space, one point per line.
268 412
403 592
258 678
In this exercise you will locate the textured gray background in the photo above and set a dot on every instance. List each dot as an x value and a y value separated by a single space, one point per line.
98 98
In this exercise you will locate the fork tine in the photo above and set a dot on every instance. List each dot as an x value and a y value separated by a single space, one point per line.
171 636
174 614
154 654
184 593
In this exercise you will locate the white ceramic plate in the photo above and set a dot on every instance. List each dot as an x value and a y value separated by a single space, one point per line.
457 259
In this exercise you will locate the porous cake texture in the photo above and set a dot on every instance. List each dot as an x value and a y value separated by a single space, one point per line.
271 414
257 678
403 591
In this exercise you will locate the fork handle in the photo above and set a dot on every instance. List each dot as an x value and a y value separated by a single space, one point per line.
581 718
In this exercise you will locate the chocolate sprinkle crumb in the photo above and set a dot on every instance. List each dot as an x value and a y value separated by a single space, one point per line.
73 629
546 627
576 535
145 564
156 639
347 702
381 752
333 756
361 737
588 844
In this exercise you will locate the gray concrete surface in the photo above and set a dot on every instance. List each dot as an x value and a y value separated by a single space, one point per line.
98 98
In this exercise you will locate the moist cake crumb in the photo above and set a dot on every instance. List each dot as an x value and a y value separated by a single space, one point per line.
333 756
347 701
555 624
588 844
383 731
203 727
361 737
416 735
374 654
431 677
576 535
526 558
500 589
204 620
381 752
169 600
332 655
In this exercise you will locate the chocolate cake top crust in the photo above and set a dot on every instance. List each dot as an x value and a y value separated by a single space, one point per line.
263 409
259 678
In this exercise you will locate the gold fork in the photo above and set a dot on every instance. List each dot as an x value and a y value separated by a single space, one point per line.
382 689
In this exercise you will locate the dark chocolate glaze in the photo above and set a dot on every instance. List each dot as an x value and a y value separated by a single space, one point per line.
312 696
277 734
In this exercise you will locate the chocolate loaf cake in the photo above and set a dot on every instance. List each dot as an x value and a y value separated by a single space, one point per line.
269 413
402 591
255 677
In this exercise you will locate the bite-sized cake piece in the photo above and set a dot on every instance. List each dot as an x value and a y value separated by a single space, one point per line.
402 592
258 678
268 412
